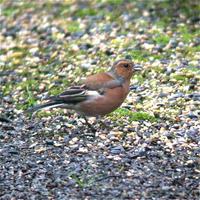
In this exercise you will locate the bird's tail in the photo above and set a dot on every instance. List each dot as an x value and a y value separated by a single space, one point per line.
51 104
67 99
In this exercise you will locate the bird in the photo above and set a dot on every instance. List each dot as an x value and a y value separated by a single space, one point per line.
98 95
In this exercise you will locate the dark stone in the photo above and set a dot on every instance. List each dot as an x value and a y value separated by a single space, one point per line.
117 150
85 46
49 142
12 31
192 116
109 52
194 96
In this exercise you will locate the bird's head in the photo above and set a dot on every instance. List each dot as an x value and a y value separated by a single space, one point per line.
124 68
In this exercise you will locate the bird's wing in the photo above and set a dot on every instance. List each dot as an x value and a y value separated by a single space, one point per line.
93 86
72 95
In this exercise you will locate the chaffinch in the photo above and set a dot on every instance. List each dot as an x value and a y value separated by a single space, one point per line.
99 95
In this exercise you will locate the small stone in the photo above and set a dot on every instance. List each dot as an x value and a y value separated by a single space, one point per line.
192 116
13 152
34 50
172 44
161 95
175 96
86 65
94 62
85 46
82 150
40 149
75 47
195 96
109 52
50 142
7 99
148 46
117 150
169 70
57 144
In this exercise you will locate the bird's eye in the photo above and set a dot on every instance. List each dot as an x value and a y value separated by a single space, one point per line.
126 65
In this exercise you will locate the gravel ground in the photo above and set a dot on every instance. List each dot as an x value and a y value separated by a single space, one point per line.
150 147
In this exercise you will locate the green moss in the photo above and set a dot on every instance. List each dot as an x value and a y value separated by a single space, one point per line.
113 16
2 51
158 69
181 78
143 55
55 90
30 97
185 34
114 2
79 181
139 78
27 87
162 22
73 27
132 116
161 39
85 12
65 82
31 84
43 113
139 55
187 37
64 9
190 50
7 88
11 10
193 69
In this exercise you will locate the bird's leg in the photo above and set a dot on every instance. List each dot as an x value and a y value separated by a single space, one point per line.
102 124
89 125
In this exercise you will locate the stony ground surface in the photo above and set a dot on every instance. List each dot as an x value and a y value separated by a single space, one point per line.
151 148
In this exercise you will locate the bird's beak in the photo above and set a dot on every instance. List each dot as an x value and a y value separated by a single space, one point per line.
137 67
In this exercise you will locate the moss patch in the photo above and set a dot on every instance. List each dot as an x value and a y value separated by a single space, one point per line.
132 116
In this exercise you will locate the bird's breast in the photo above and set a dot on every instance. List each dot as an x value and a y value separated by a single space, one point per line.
106 103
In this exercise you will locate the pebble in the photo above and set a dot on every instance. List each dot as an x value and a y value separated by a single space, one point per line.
192 116
86 65
194 96
82 150
169 70
49 142
117 150
175 96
